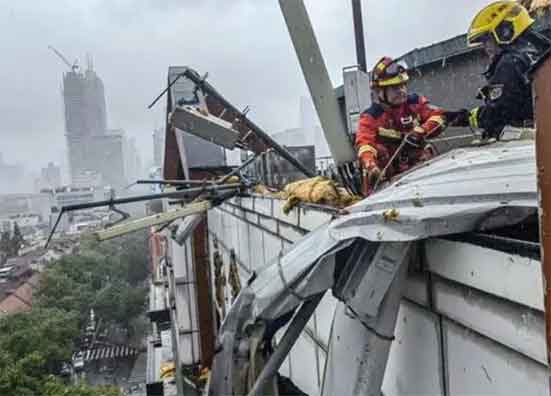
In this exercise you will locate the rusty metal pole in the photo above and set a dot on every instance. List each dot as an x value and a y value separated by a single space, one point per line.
542 106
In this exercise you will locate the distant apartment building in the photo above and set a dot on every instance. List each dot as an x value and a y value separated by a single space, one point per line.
158 146
50 177
25 222
20 204
133 166
308 133
66 195
87 178
12 177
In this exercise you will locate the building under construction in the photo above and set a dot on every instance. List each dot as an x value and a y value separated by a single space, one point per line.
95 153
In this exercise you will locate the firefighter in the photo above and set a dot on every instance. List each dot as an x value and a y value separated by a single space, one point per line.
504 29
395 120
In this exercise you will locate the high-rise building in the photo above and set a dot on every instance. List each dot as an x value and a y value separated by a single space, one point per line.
84 99
92 147
108 156
50 177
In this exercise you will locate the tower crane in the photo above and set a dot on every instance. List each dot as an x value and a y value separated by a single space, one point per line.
74 66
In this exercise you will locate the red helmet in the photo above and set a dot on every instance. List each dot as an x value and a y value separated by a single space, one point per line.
388 72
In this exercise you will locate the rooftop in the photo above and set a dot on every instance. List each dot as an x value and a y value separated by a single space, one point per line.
20 299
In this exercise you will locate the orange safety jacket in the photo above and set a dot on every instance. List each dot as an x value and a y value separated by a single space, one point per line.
381 129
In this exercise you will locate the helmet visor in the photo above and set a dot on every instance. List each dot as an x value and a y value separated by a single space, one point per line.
480 39
393 70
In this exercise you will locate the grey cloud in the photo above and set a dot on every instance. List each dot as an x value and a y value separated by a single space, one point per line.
243 44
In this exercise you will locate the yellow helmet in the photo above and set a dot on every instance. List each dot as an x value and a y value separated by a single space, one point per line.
505 20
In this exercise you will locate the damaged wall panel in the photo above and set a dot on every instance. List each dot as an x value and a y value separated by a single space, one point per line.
426 319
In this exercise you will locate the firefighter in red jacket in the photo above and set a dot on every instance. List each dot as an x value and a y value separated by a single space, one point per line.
394 116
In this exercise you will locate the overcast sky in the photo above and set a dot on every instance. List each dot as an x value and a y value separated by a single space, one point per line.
243 44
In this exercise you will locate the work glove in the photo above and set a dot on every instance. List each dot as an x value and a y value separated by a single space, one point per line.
371 173
374 176
415 139
458 118
463 117
473 117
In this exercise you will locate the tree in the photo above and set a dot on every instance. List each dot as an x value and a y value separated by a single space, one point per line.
44 333
107 277
54 387
17 239
22 376
119 303
5 242
59 290
33 345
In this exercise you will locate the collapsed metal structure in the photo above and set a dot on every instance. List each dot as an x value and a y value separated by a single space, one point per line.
363 257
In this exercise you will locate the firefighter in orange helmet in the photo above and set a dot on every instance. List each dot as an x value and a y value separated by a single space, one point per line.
395 120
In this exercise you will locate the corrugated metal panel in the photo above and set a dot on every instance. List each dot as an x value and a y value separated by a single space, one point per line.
414 364
498 172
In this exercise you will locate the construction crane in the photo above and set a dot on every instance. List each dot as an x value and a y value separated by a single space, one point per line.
74 66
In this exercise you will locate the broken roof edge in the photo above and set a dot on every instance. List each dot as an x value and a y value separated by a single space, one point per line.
437 52
491 187
449 48
470 189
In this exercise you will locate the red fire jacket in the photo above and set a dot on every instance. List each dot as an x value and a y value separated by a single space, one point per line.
381 130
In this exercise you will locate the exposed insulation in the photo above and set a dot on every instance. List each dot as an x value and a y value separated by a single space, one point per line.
317 190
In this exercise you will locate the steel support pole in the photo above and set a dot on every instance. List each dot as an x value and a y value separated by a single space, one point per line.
318 80
359 33
287 341
542 114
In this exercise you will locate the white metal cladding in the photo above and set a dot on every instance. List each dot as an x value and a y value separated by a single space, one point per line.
512 325
305 370
477 366
414 366
243 251
183 287
519 280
